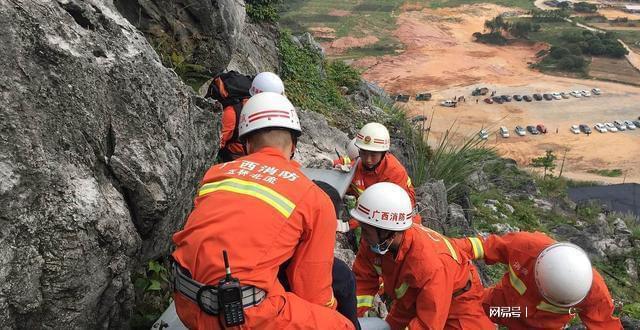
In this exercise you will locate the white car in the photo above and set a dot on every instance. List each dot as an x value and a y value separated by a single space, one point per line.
585 93
575 129
620 126
556 95
596 91
504 132
448 103
564 95
629 124
600 128
576 94
483 134
610 127
520 131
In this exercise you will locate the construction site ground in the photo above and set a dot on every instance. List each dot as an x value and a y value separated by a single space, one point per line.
441 57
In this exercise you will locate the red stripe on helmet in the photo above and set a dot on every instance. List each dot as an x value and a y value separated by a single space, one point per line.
268 116
363 207
261 113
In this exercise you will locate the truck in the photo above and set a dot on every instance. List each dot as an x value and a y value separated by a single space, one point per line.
480 91
423 96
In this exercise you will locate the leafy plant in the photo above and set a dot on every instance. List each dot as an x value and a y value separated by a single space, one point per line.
547 162
152 294
263 10
604 172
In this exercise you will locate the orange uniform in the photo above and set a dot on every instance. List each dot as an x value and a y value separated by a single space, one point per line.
263 211
518 286
423 278
228 139
389 170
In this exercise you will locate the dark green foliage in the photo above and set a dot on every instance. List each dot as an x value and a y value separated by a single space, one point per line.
343 74
494 38
585 7
263 10
549 15
521 29
547 162
302 73
152 292
559 52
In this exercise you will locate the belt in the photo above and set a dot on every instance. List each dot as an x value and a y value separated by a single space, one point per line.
462 290
206 296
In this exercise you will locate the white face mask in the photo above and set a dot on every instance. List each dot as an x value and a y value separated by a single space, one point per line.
382 248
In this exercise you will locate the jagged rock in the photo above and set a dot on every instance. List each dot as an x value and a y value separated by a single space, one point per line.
215 34
306 40
620 227
478 180
504 228
101 150
457 222
432 197
542 204
343 251
601 225
492 207
629 323
509 208
492 202
632 269
316 147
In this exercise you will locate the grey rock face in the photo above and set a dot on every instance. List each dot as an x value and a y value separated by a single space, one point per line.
101 148
316 147
456 221
431 198
216 34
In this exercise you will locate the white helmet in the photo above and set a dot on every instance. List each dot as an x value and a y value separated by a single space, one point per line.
373 137
353 151
266 82
563 274
384 205
268 110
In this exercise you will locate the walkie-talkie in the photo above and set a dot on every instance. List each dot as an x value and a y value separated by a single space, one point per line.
230 297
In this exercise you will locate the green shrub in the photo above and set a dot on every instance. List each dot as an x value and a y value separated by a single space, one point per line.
152 292
302 73
263 10
343 75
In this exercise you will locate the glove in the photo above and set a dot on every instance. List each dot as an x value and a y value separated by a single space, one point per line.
343 227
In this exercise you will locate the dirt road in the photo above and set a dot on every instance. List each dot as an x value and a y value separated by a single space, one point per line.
441 58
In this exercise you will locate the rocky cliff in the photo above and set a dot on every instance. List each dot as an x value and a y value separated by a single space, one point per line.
215 34
101 149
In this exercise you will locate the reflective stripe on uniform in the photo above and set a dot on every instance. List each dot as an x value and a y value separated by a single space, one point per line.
429 231
544 306
265 194
478 250
401 290
378 269
516 282
364 301
358 190
331 301
408 182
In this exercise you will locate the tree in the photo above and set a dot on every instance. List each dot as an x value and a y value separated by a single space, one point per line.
521 29
559 52
547 162
585 7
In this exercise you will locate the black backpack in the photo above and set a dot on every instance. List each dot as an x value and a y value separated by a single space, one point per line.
229 88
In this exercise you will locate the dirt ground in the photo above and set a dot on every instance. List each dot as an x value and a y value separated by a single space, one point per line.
441 58
614 13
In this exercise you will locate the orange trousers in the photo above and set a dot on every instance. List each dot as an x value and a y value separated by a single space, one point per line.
285 311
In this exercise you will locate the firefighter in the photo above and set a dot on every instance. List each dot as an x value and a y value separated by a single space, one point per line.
547 283
264 212
432 284
377 164
230 146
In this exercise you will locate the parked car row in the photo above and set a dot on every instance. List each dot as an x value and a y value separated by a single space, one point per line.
615 126
539 97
